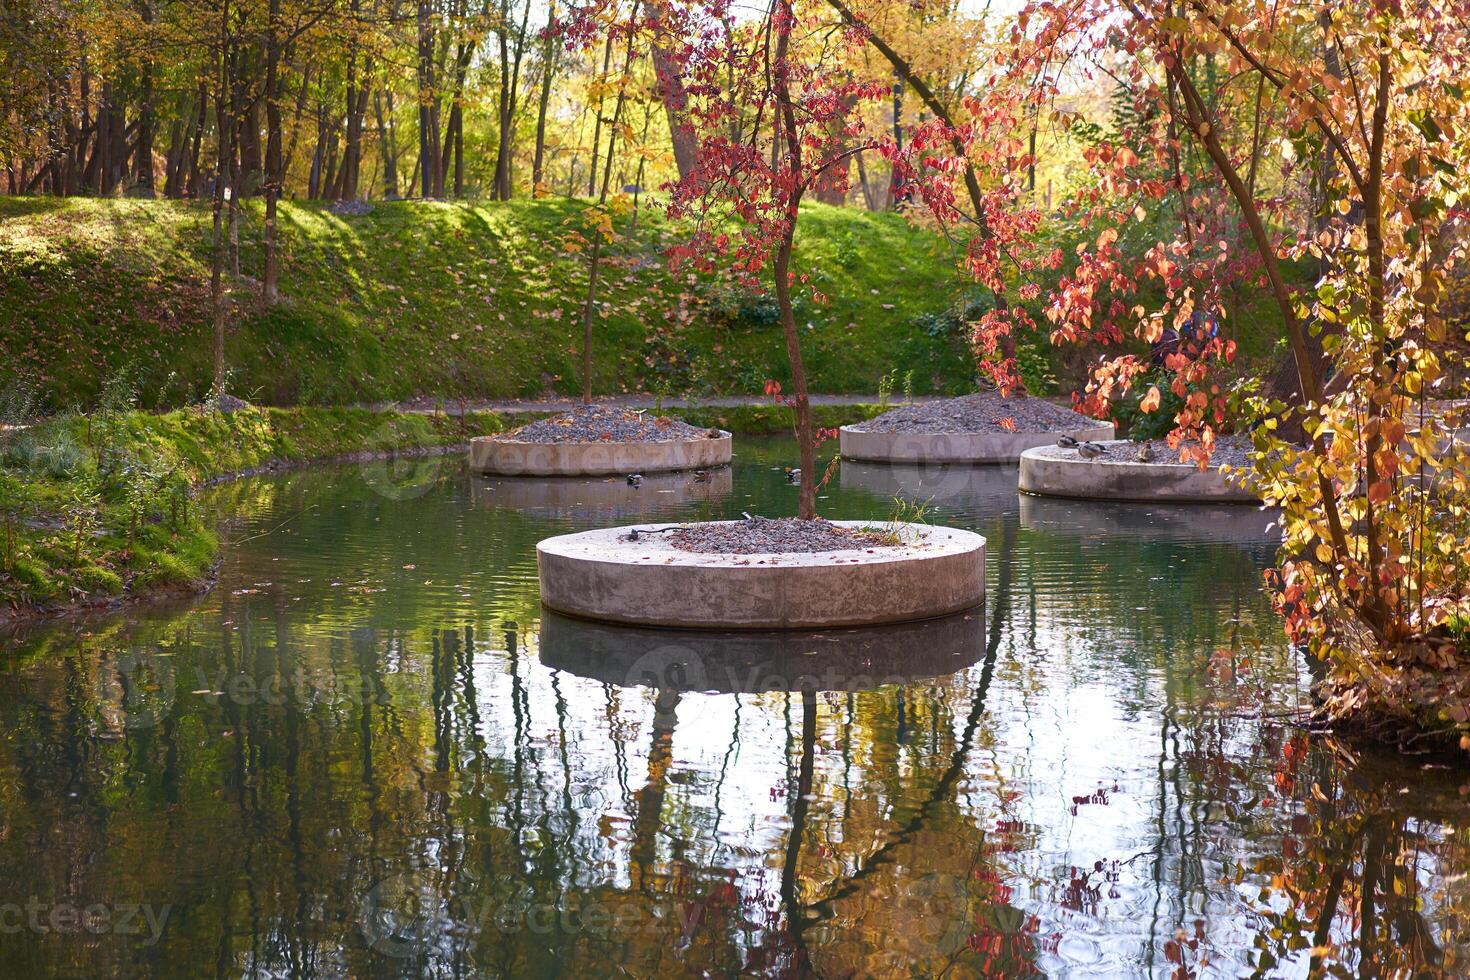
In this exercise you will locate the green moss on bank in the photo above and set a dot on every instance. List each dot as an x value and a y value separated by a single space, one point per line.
94 508
97 507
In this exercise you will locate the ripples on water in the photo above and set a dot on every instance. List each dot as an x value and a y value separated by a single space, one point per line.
367 752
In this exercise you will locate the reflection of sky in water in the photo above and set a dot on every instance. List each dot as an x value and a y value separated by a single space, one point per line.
1094 802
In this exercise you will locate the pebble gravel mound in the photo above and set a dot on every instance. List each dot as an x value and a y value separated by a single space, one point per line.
768 535
352 208
595 423
988 411
1229 451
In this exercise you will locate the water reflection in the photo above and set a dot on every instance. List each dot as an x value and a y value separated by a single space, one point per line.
751 663
603 497
981 491
367 753
1244 524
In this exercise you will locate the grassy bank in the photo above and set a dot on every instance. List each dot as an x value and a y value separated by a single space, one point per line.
441 299
99 507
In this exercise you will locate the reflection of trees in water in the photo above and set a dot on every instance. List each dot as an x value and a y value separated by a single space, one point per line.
451 763
1367 875
367 755
916 883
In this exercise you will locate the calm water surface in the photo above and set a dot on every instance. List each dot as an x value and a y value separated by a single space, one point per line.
368 752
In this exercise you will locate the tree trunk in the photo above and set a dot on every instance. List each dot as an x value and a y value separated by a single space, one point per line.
1310 381
895 179
274 175
352 141
236 170
178 139
387 142
318 158
191 184
299 111
510 98
789 135
597 119
868 201
548 69
143 166
926 95
669 82
247 138
357 115
428 125
224 151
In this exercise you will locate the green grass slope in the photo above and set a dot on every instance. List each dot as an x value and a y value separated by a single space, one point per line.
443 299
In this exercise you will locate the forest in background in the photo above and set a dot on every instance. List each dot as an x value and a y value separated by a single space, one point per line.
350 99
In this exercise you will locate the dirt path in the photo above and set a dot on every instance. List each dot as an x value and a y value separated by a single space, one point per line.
627 401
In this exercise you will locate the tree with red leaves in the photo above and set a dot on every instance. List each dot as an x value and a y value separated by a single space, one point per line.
775 117
1330 138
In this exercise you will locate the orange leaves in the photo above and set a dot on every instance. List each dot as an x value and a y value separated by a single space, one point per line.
1153 326
1150 402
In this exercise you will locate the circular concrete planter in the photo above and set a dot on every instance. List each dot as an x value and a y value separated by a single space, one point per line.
601 497
974 448
505 456
751 662
1052 471
601 575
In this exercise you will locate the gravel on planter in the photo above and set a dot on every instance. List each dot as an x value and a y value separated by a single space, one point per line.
1230 450
987 411
773 535
596 423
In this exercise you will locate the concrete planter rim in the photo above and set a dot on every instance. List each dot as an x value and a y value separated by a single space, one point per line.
598 575
500 455
507 438
1052 471
973 448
